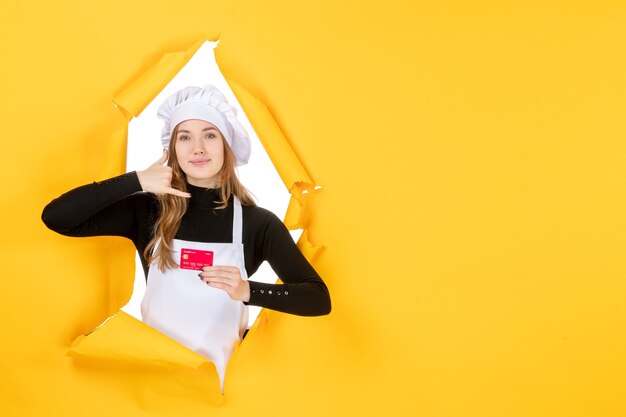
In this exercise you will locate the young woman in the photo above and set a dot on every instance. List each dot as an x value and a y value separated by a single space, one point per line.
197 230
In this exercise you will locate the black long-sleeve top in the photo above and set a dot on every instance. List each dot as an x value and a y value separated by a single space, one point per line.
118 207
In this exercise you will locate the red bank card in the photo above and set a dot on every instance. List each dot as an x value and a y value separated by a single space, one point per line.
195 258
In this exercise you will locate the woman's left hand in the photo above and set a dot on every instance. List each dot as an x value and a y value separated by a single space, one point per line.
227 278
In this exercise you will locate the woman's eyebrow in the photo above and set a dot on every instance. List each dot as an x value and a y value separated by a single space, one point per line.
204 130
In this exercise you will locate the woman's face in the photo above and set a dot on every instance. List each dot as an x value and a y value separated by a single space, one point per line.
200 152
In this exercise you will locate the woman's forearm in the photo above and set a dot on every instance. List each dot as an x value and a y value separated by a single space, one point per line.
93 209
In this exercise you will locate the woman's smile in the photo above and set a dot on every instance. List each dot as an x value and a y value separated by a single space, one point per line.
200 162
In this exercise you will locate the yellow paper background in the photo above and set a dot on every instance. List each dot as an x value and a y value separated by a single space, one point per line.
472 158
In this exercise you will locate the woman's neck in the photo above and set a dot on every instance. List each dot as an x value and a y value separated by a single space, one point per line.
203 197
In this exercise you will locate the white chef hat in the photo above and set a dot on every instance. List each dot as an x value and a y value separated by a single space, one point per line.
210 105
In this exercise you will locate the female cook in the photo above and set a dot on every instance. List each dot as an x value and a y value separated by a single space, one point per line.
197 230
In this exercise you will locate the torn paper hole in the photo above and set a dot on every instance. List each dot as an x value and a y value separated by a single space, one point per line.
124 338
259 176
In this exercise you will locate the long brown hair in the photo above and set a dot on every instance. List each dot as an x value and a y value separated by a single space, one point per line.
172 208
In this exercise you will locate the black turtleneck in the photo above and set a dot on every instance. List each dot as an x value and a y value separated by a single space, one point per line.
118 207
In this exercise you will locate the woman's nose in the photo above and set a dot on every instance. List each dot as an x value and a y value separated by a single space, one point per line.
198 147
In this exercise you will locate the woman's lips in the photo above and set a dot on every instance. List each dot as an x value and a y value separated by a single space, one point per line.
199 162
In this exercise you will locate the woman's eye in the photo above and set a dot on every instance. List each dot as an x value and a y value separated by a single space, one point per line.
183 137
210 136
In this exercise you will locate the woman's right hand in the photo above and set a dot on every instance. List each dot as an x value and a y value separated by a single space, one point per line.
157 179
